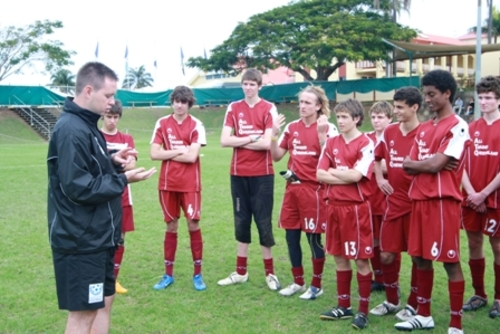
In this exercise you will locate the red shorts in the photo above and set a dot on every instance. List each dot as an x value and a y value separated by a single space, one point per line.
377 223
488 222
303 208
349 230
394 234
172 202
128 219
435 230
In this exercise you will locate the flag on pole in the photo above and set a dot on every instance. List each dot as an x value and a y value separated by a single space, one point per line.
96 50
182 62
155 64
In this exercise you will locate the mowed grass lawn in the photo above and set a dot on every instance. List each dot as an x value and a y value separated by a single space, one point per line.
27 289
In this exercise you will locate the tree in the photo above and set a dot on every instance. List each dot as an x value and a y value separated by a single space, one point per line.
24 47
64 80
492 23
316 34
137 78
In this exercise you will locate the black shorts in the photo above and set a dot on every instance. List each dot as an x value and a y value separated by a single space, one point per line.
253 196
83 280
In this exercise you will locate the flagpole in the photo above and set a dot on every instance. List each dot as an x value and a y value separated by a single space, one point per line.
126 67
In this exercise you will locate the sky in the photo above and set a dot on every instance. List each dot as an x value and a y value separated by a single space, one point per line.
154 30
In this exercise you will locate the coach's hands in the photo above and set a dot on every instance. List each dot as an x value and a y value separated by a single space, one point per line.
124 157
139 174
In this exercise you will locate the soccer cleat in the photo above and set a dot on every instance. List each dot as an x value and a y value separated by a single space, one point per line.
198 283
360 321
234 278
406 314
272 282
120 289
165 282
376 286
454 330
337 313
417 322
385 308
495 310
474 303
292 289
311 293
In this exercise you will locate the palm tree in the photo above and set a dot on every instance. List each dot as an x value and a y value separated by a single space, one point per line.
64 80
393 8
138 78
491 26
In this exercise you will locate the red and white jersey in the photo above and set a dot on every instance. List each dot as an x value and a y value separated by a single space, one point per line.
483 159
393 147
302 144
357 155
118 142
171 135
246 121
377 199
449 136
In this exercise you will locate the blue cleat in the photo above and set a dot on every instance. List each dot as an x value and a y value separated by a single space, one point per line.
164 283
198 283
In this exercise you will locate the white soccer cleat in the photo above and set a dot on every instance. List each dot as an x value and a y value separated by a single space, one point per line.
234 278
418 322
272 282
292 289
406 314
454 330
385 308
311 293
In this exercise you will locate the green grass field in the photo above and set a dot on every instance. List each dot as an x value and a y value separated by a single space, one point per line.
27 289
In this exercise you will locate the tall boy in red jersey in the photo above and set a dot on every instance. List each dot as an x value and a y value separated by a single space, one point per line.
116 141
345 165
436 161
481 182
394 145
247 129
303 208
176 142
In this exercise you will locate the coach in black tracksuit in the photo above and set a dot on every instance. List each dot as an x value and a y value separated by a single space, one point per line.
84 201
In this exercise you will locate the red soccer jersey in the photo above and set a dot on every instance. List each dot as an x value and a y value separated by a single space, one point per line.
393 147
377 199
118 142
483 159
169 133
302 144
358 155
449 137
246 121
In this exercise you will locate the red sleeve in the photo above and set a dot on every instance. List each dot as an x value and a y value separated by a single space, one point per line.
158 135
228 120
380 151
324 160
